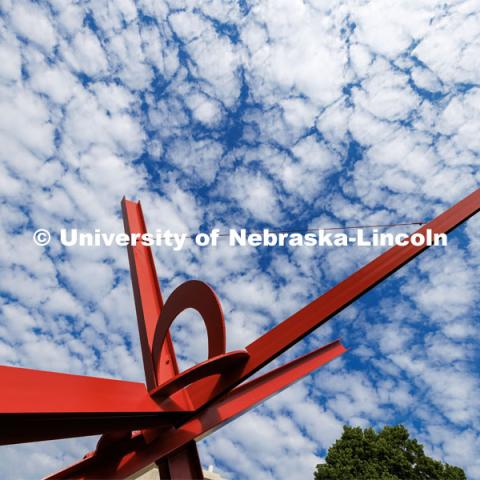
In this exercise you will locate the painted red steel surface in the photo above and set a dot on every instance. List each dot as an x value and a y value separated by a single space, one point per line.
217 365
199 296
160 421
34 391
148 298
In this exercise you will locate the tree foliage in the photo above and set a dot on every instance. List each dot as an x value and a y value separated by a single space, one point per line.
387 455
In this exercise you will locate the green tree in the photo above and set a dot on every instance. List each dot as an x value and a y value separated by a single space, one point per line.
387 455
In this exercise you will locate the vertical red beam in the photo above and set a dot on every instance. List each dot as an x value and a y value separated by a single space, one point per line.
185 464
182 465
148 298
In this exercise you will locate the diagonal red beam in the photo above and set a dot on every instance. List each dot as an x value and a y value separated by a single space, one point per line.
224 410
270 345
300 324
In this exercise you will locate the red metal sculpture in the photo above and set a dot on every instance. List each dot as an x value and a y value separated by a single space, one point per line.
160 421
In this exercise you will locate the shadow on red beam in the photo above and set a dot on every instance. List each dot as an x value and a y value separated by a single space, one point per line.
22 428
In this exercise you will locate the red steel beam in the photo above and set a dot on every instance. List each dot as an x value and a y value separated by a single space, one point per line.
277 340
234 404
37 405
283 336
149 304
27 391
184 464
148 297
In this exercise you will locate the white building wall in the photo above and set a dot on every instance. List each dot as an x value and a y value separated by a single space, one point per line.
151 473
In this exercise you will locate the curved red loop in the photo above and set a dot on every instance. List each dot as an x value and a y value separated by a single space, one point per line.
199 296
215 365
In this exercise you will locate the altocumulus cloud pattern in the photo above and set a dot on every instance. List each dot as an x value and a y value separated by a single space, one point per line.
255 114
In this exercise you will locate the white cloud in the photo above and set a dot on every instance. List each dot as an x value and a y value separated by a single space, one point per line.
31 21
85 54
449 48
450 282
201 158
57 83
301 45
386 94
204 109
254 193
10 61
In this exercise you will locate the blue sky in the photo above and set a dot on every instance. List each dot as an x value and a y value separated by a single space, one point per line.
237 114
